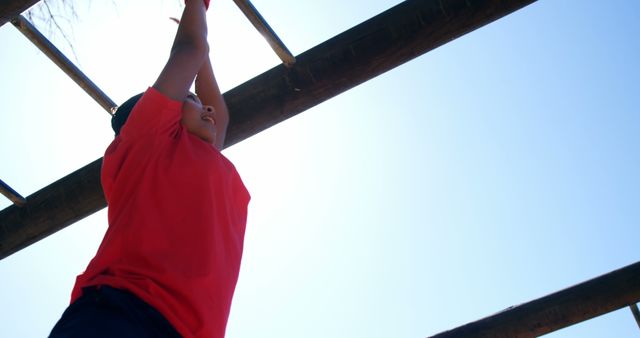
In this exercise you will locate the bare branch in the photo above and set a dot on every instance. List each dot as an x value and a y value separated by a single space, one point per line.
54 20
59 17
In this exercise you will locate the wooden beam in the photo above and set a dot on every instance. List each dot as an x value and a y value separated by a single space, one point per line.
377 45
54 207
361 53
11 194
636 313
55 55
558 310
9 9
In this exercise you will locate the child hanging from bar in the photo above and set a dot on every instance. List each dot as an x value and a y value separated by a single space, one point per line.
169 261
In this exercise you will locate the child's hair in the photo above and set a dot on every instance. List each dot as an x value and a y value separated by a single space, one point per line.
122 113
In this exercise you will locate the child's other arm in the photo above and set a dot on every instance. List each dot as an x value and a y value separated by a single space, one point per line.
209 93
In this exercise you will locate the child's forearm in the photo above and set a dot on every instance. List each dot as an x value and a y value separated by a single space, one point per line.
209 93
192 31
189 50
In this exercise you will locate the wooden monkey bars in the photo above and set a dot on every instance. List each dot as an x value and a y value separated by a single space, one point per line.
377 45
371 48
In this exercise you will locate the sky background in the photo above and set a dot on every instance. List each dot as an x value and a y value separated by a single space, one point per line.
494 170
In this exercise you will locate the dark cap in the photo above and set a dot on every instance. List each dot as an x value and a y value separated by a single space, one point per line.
122 113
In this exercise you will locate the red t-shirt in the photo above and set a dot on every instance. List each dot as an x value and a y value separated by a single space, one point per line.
177 216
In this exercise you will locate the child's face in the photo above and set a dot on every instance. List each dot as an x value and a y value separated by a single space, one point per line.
199 120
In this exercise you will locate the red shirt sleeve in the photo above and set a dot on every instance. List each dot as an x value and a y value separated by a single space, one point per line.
155 113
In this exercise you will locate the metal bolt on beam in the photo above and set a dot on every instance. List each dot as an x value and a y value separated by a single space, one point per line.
263 27
26 28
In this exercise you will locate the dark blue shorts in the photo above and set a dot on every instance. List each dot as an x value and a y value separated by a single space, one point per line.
107 312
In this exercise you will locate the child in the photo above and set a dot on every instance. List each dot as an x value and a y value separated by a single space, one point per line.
169 261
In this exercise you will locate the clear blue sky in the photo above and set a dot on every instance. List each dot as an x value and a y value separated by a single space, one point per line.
494 170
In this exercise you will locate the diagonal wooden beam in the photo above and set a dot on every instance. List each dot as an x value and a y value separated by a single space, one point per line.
598 296
636 313
11 194
267 32
371 48
12 8
55 55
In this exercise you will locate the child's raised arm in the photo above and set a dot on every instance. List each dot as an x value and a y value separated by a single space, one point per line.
190 49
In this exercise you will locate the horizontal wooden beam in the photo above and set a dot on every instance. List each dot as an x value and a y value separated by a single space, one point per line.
9 9
377 45
54 207
596 297
361 53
